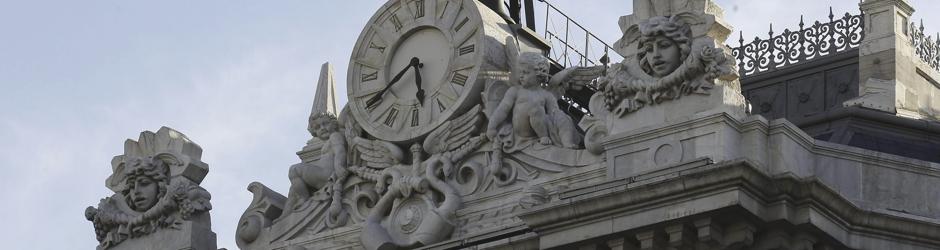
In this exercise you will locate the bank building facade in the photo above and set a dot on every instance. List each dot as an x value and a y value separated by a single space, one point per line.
467 129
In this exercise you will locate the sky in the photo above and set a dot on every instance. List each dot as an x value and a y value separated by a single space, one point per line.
77 78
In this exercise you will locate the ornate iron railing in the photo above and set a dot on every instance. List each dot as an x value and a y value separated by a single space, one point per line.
807 43
926 47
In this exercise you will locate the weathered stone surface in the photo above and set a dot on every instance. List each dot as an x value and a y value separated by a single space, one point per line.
669 160
508 148
844 192
158 203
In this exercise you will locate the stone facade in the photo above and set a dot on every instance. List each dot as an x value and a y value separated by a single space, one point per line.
670 158
671 155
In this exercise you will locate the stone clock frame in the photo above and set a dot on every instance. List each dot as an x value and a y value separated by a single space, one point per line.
453 73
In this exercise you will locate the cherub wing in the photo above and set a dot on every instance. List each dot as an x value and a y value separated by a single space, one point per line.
454 133
351 128
378 154
574 78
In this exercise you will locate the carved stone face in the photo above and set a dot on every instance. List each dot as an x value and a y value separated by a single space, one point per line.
534 69
534 77
325 129
663 56
144 193
323 125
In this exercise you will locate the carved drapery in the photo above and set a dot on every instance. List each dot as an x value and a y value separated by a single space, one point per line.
806 43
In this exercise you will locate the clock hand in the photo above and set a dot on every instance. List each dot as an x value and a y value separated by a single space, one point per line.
378 97
420 93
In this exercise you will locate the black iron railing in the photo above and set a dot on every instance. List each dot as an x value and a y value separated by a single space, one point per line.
926 47
806 43
572 44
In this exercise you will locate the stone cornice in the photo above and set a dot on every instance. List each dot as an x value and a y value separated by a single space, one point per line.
903 5
741 176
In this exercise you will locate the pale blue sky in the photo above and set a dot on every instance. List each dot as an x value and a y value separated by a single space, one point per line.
77 78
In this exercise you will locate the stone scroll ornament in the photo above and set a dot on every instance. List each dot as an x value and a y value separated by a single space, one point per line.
367 182
156 187
417 206
668 65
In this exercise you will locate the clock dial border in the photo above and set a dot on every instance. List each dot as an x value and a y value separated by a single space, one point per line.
455 91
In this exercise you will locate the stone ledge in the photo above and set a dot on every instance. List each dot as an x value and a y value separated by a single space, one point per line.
736 183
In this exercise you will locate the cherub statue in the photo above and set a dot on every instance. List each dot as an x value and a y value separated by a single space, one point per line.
330 168
533 109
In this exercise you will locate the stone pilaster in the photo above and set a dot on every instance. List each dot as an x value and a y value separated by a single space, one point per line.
885 55
894 79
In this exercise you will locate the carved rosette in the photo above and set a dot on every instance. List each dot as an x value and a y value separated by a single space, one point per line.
156 185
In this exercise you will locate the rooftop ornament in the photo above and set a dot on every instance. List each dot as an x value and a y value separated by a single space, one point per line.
926 47
806 43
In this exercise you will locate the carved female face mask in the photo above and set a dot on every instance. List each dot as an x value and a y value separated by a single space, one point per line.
144 193
663 56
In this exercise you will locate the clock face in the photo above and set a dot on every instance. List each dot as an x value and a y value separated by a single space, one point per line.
445 36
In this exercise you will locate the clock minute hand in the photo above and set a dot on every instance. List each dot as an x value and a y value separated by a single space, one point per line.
378 97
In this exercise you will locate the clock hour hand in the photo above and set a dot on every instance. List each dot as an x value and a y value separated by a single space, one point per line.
420 93
378 96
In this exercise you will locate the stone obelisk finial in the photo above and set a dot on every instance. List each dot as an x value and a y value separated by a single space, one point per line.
324 104
325 99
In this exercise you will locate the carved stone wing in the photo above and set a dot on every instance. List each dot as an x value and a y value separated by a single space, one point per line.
453 133
378 154
574 78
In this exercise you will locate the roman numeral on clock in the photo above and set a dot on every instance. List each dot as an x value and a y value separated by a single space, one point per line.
390 119
440 105
370 77
419 9
459 79
462 23
381 49
414 117
466 50
396 22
